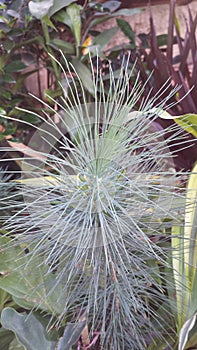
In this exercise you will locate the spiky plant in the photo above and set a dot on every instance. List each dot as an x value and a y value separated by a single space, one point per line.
98 199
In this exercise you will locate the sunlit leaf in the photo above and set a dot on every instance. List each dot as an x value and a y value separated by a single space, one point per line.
58 5
188 122
41 8
73 12
190 230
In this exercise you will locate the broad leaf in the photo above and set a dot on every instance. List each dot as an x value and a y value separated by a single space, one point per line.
104 37
190 231
73 12
63 17
28 330
6 338
71 334
15 345
111 5
15 66
65 46
28 281
126 12
121 12
126 29
188 122
40 9
58 5
84 74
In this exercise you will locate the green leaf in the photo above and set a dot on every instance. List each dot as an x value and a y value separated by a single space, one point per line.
184 333
15 66
15 345
58 5
162 40
6 337
190 230
41 8
29 331
71 334
84 74
65 46
126 29
28 281
188 122
104 37
48 22
2 111
63 17
4 298
9 79
73 12
111 5
121 12
184 256
126 12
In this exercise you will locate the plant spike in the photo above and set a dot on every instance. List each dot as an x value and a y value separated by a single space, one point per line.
98 196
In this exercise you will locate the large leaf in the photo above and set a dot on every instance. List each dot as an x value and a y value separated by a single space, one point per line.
188 122
84 74
184 256
126 12
41 8
28 330
28 281
62 45
71 334
190 234
111 5
15 345
58 5
104 37
6 338
126 29
73 12
15 66
63 17
121 12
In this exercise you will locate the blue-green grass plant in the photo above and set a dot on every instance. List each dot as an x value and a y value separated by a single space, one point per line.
100 193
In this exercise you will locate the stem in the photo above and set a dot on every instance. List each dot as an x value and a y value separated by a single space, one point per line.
114 280
47 39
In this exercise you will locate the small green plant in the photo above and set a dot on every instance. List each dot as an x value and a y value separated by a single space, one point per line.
88 242
31 32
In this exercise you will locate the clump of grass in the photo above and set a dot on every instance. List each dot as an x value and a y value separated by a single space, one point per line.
99 196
